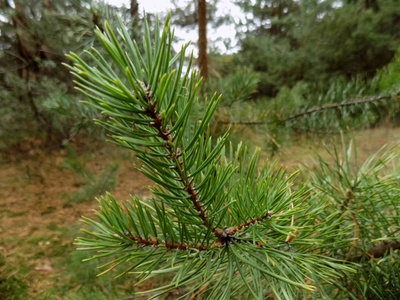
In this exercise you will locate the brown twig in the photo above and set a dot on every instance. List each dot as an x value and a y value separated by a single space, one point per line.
347 198
267 215
226 235
175 157
356 237
290 236
380 249
156 243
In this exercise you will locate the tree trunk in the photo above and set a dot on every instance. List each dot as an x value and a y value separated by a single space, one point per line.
48 4
134 8
371 4
29 48
203 65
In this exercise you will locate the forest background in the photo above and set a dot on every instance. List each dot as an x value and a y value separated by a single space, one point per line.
302 73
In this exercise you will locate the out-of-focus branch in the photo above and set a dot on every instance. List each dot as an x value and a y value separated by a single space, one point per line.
336 105
380 249
245 122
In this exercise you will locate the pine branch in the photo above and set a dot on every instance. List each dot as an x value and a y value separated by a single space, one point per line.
200 186
243 122
175 159
313 110
336 105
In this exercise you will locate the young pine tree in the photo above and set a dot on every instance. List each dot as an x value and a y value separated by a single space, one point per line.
222 225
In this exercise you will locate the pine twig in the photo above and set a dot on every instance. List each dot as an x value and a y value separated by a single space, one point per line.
267 215
156 243
227 235
166 136
223 235
188 182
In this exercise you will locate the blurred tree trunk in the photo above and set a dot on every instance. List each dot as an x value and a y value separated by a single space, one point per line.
203 65
47 4
371 4
29 48
96 20
134 8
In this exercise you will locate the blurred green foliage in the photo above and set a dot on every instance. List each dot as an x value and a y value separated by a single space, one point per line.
236 87
389 77
36 91
288 41
304 54
339 104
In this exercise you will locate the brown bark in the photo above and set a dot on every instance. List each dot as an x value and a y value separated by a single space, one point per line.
48 4
96 21
134 8
29 47
203 60
4 4
371 4
380 249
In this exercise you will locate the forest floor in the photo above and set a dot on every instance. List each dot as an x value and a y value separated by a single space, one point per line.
38 221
